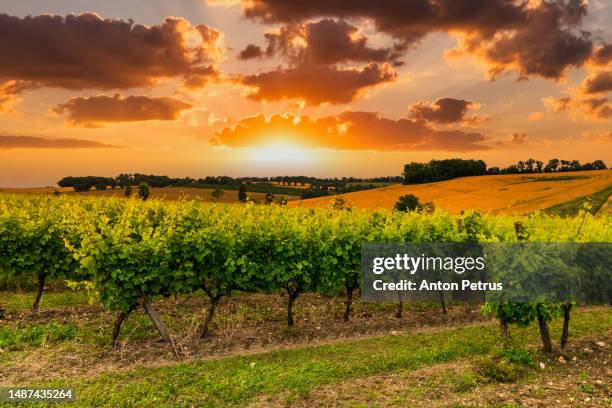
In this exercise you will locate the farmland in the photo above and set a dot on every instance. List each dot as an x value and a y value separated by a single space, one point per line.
164 193
175 193
500 194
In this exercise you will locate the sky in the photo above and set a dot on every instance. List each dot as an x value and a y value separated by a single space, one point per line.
192 88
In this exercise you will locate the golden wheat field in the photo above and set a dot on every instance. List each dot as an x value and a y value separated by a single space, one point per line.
503 194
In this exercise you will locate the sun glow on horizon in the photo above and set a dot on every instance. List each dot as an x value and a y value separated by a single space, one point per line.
280 152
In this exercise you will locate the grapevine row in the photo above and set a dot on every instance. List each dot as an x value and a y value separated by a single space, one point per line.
134 251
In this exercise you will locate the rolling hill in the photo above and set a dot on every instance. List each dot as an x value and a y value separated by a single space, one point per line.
503 194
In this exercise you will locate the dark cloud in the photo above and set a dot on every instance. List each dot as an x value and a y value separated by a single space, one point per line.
88 52
316 84
541 39
347 131
96 110
597 83
327 42
407 19
251 51
33 142
546 46
445 110
602 55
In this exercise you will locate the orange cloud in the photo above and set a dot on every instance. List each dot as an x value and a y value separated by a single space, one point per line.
347 131
89 52
96 110
316 84
592 108
33 142
602 55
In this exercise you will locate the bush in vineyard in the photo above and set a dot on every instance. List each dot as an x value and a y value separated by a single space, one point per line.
32 240
130 258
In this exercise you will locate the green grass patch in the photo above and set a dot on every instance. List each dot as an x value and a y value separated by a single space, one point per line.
24 301
571 208
236 381
16 339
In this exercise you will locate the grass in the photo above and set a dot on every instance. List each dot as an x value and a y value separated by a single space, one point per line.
24 301
294 373
571 208
16 339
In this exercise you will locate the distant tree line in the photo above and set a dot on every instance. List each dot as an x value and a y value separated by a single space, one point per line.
439 170
88 182
553 165
303 186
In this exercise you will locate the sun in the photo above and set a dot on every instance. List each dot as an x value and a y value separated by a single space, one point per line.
277 152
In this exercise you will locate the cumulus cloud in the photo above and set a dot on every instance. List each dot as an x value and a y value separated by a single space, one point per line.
316 84
534 38
597 83
33 142
96 110
347 131
407 19
327 42
547 45
445 111
89 52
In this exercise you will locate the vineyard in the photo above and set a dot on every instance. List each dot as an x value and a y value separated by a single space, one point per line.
129 254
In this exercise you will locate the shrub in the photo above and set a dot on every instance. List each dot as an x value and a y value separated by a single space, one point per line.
406 203
143 191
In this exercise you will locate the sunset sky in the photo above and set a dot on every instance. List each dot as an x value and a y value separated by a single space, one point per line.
279 87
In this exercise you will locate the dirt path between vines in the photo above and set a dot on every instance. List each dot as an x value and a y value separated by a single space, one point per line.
245 324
